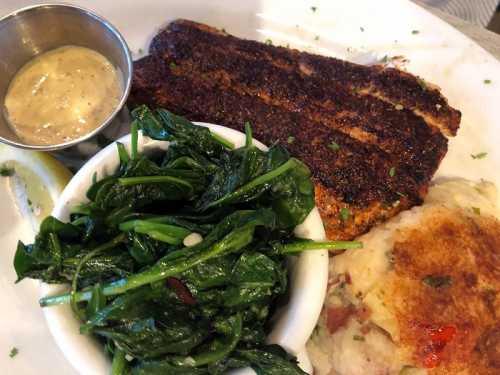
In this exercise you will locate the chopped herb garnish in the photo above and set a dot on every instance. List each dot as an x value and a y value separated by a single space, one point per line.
6 172
173 65
30 203
334 146
13 352
422 84
314 9
480 155
400 194
140 51
396 203
316 37
362 28
384 59
392 171
290 140
358 338
268 42
487 81
399 107
288 45
414 32
344 214
476 210
223 30
437 281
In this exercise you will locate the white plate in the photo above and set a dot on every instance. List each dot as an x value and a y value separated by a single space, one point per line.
438 53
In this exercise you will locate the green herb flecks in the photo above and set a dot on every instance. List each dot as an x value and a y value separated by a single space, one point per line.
290 140
13 352
314 9
437 281
344 214
480 155
487 81
334 146
269 42
423 85
6 171
415 32
392 171
476 210
358 338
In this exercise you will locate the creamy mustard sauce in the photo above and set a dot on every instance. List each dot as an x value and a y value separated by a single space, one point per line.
62 95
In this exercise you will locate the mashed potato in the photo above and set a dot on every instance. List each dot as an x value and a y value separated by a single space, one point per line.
422 296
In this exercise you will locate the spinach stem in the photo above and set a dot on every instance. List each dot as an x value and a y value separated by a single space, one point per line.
184 161
56 245
171 234
298 246
262 179
127 181
223 141
119 362
134 136
165 267
122 153
74 283
248 135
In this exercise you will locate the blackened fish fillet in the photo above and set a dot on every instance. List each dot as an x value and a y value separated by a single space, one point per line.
372 136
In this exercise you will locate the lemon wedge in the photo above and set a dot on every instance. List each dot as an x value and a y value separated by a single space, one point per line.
31 182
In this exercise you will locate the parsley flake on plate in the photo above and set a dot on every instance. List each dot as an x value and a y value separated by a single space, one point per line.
480 155
13 352
6 171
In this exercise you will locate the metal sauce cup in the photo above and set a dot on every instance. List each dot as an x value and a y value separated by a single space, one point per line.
33 30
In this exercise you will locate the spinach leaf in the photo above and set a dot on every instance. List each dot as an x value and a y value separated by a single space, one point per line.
270 360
